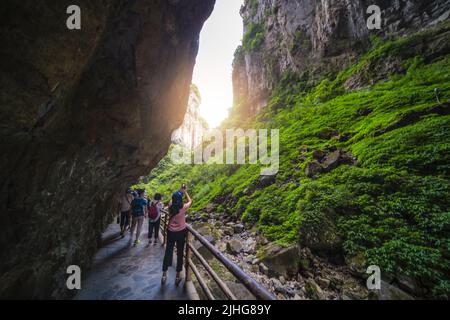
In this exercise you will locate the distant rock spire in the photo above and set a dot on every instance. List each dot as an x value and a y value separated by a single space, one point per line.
189 135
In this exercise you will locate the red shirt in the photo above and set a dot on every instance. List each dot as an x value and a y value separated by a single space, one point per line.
178 223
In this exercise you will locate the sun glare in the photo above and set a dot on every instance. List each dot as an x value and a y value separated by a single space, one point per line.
221 35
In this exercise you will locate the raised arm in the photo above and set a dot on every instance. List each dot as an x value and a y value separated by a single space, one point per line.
188 198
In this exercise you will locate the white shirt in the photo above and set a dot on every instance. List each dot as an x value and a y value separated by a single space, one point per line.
125 202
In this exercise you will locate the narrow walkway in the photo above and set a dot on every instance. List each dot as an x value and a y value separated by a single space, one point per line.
123 272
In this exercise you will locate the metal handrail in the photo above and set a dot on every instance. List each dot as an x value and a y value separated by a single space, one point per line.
202 282
254 287
222 285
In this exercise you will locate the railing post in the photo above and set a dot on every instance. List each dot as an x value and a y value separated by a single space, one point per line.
254 287
188 256
166 219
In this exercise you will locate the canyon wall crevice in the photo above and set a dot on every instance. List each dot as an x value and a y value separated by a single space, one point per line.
76 123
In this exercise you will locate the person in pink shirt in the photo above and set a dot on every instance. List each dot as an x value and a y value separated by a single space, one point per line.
176 233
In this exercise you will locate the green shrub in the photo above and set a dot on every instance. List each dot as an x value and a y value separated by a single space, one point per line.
254 37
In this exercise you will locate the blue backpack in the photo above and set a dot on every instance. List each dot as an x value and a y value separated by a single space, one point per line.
137 207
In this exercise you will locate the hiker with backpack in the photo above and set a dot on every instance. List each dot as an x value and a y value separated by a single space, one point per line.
125 211
176 233
154 218
139 212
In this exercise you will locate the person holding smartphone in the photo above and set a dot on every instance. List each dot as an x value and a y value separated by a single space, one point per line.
176 233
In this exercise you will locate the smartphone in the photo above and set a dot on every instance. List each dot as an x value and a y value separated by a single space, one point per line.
183 186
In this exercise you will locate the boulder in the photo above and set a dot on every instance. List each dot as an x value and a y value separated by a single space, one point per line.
240 291
388 277
364 112
318 155
263 269
282 261
325 161
342 137
248 259
389 292
306 260
222 246
265 181
203 250
208 230
249 246
331 161
205 253
297 297
228 231
238 228
336 282
205 230
275 282
353 290
234 247
304 264
280 288
357 265
348 159
323 240
261 240
313 290
327 133
313 168
210 239
323 283
194 217
271 249
209 207
409 285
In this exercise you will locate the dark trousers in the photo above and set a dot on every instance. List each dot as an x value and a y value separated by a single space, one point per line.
153 226
124 218
178 238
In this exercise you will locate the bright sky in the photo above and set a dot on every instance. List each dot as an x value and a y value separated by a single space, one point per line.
221 35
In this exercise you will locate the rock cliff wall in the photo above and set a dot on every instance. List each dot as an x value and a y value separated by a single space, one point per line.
75 121
190 134
313 38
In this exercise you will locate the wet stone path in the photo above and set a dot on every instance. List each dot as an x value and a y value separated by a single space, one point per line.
121 271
